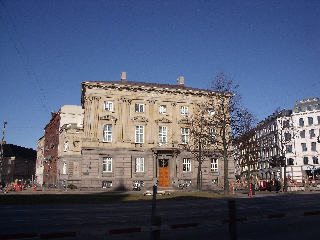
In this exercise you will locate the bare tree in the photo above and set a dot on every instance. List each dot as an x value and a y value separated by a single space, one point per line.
216 122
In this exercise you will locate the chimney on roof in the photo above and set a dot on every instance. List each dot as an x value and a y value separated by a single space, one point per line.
296 102
123 76
180 81
53 113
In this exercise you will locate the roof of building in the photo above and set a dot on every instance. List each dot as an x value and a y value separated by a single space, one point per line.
10 150
308 104
145 84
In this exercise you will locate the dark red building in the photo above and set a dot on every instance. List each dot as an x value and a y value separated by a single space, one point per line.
51 144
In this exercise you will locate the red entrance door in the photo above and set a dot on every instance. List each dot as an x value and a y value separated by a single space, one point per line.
164 177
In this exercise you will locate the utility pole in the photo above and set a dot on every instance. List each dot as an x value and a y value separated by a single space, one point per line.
2 142
199 176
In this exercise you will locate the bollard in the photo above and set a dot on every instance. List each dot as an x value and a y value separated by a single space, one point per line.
153 214
156 233
232 216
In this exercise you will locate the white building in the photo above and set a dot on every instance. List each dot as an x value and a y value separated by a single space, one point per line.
303 152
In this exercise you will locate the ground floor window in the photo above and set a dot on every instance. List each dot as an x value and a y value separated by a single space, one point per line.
139 164
186 165
214 165
107 164
64 168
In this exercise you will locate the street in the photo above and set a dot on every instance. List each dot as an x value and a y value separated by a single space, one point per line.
95 220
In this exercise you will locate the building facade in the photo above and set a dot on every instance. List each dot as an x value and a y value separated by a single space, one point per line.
18 164
61 143
40 162
136 132
303 150
290 136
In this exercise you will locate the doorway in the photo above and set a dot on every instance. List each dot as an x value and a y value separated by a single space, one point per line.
164 177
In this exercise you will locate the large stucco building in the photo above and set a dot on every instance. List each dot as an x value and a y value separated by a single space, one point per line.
126 132
136 132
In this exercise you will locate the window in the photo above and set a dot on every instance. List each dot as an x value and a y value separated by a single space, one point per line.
107 133
303 134
312 133
108 106
139 164
107 164
290 161
162 134
64 168
304 147
313 146
211 112
315 160
305 160
289 148
163 109
286 124
185 135
66 146
287 136
318 118
212 136
310 120
139 134
186 165
301 122
184 110
214 165
309 108
139 107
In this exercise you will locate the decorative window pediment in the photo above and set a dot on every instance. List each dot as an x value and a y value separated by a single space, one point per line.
184 121
163 120
140 119
109 118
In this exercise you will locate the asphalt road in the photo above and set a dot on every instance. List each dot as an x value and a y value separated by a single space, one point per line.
95 220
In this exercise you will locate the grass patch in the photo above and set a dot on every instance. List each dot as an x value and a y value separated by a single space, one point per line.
96 197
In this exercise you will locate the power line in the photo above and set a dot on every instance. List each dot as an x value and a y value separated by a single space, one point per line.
42 97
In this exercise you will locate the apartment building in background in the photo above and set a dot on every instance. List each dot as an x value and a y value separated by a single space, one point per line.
61 144
292 135
303 150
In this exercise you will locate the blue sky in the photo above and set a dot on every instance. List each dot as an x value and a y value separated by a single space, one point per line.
47 48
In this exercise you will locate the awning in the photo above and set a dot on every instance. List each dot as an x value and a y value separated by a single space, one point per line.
310 167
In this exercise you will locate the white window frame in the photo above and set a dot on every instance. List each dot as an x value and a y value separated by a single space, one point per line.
163 109
185 135
211 112
213 136
64 168
139 164
214 165
139 134
107 133
107 164
66 146
184 110
139 107
108 106
186 165
163 131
